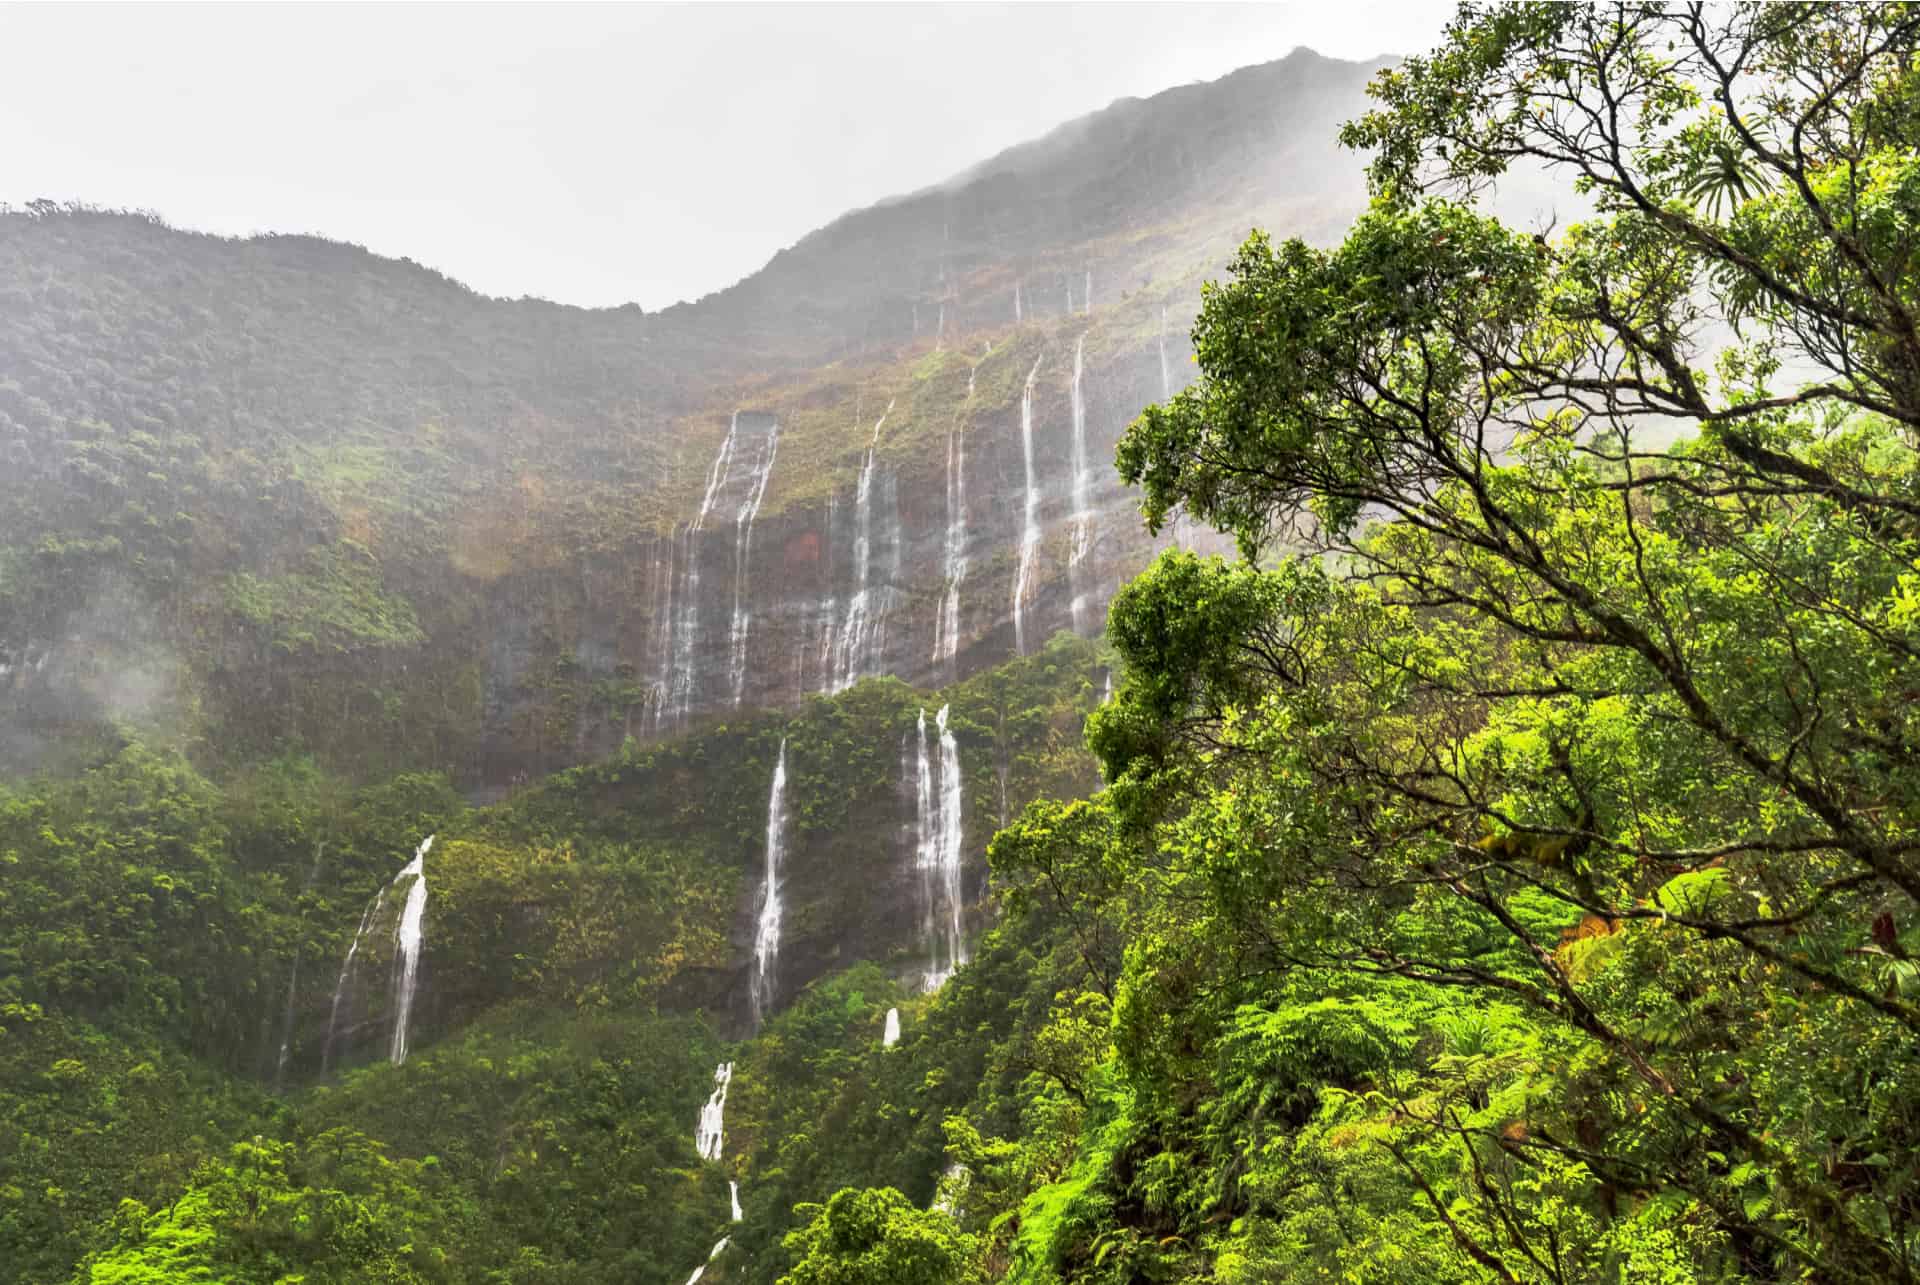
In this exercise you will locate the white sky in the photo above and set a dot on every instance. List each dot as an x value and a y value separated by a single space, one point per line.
590 154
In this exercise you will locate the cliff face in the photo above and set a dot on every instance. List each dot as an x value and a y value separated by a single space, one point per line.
281 494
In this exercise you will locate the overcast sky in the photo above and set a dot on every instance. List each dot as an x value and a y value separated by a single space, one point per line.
587 154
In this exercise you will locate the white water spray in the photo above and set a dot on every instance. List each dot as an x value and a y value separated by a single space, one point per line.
1019 312
766 937
1030 533
710 1135
742 550
733 1195
891 1036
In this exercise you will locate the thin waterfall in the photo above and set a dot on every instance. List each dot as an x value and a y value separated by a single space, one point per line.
687 626
742 549
409 937
828 610
891 1036
861 631
1166 372
1086 301
663 635
346 972
925 825
946 625
733 1197
712 1254
766 937
1082 499
1030 534
940 329
1019 312
286 1022
937 802
710 1134
952 1188
1069 285
950 945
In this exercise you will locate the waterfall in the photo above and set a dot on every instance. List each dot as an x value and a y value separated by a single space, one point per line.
940 329
1069 285
891 1036
1166 373
742 548
663 622
1019 313
938 855
712 1254
946 851
733 1195
766 937
409 934
346 971
1106 697
946 625
408 937
1082 500
1086 303
1030 534
686 628
862 632
953 1185
710 1135
286 1022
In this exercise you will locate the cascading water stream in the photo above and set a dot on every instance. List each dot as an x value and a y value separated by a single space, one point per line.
938 855
1086 303
710 1135
346 972
1083 516
733 1197
712 1254
742 550
663 622
947 851
891 1035
1019 312
686 627
1030 533
409 935
1166 372
946 625
408 939
766 937
864 628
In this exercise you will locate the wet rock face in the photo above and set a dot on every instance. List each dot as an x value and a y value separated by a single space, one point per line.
720 616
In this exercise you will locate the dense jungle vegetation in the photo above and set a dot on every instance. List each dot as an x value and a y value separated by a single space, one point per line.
1504 871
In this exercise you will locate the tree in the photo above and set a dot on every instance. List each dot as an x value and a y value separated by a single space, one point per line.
1512 702
874 1236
